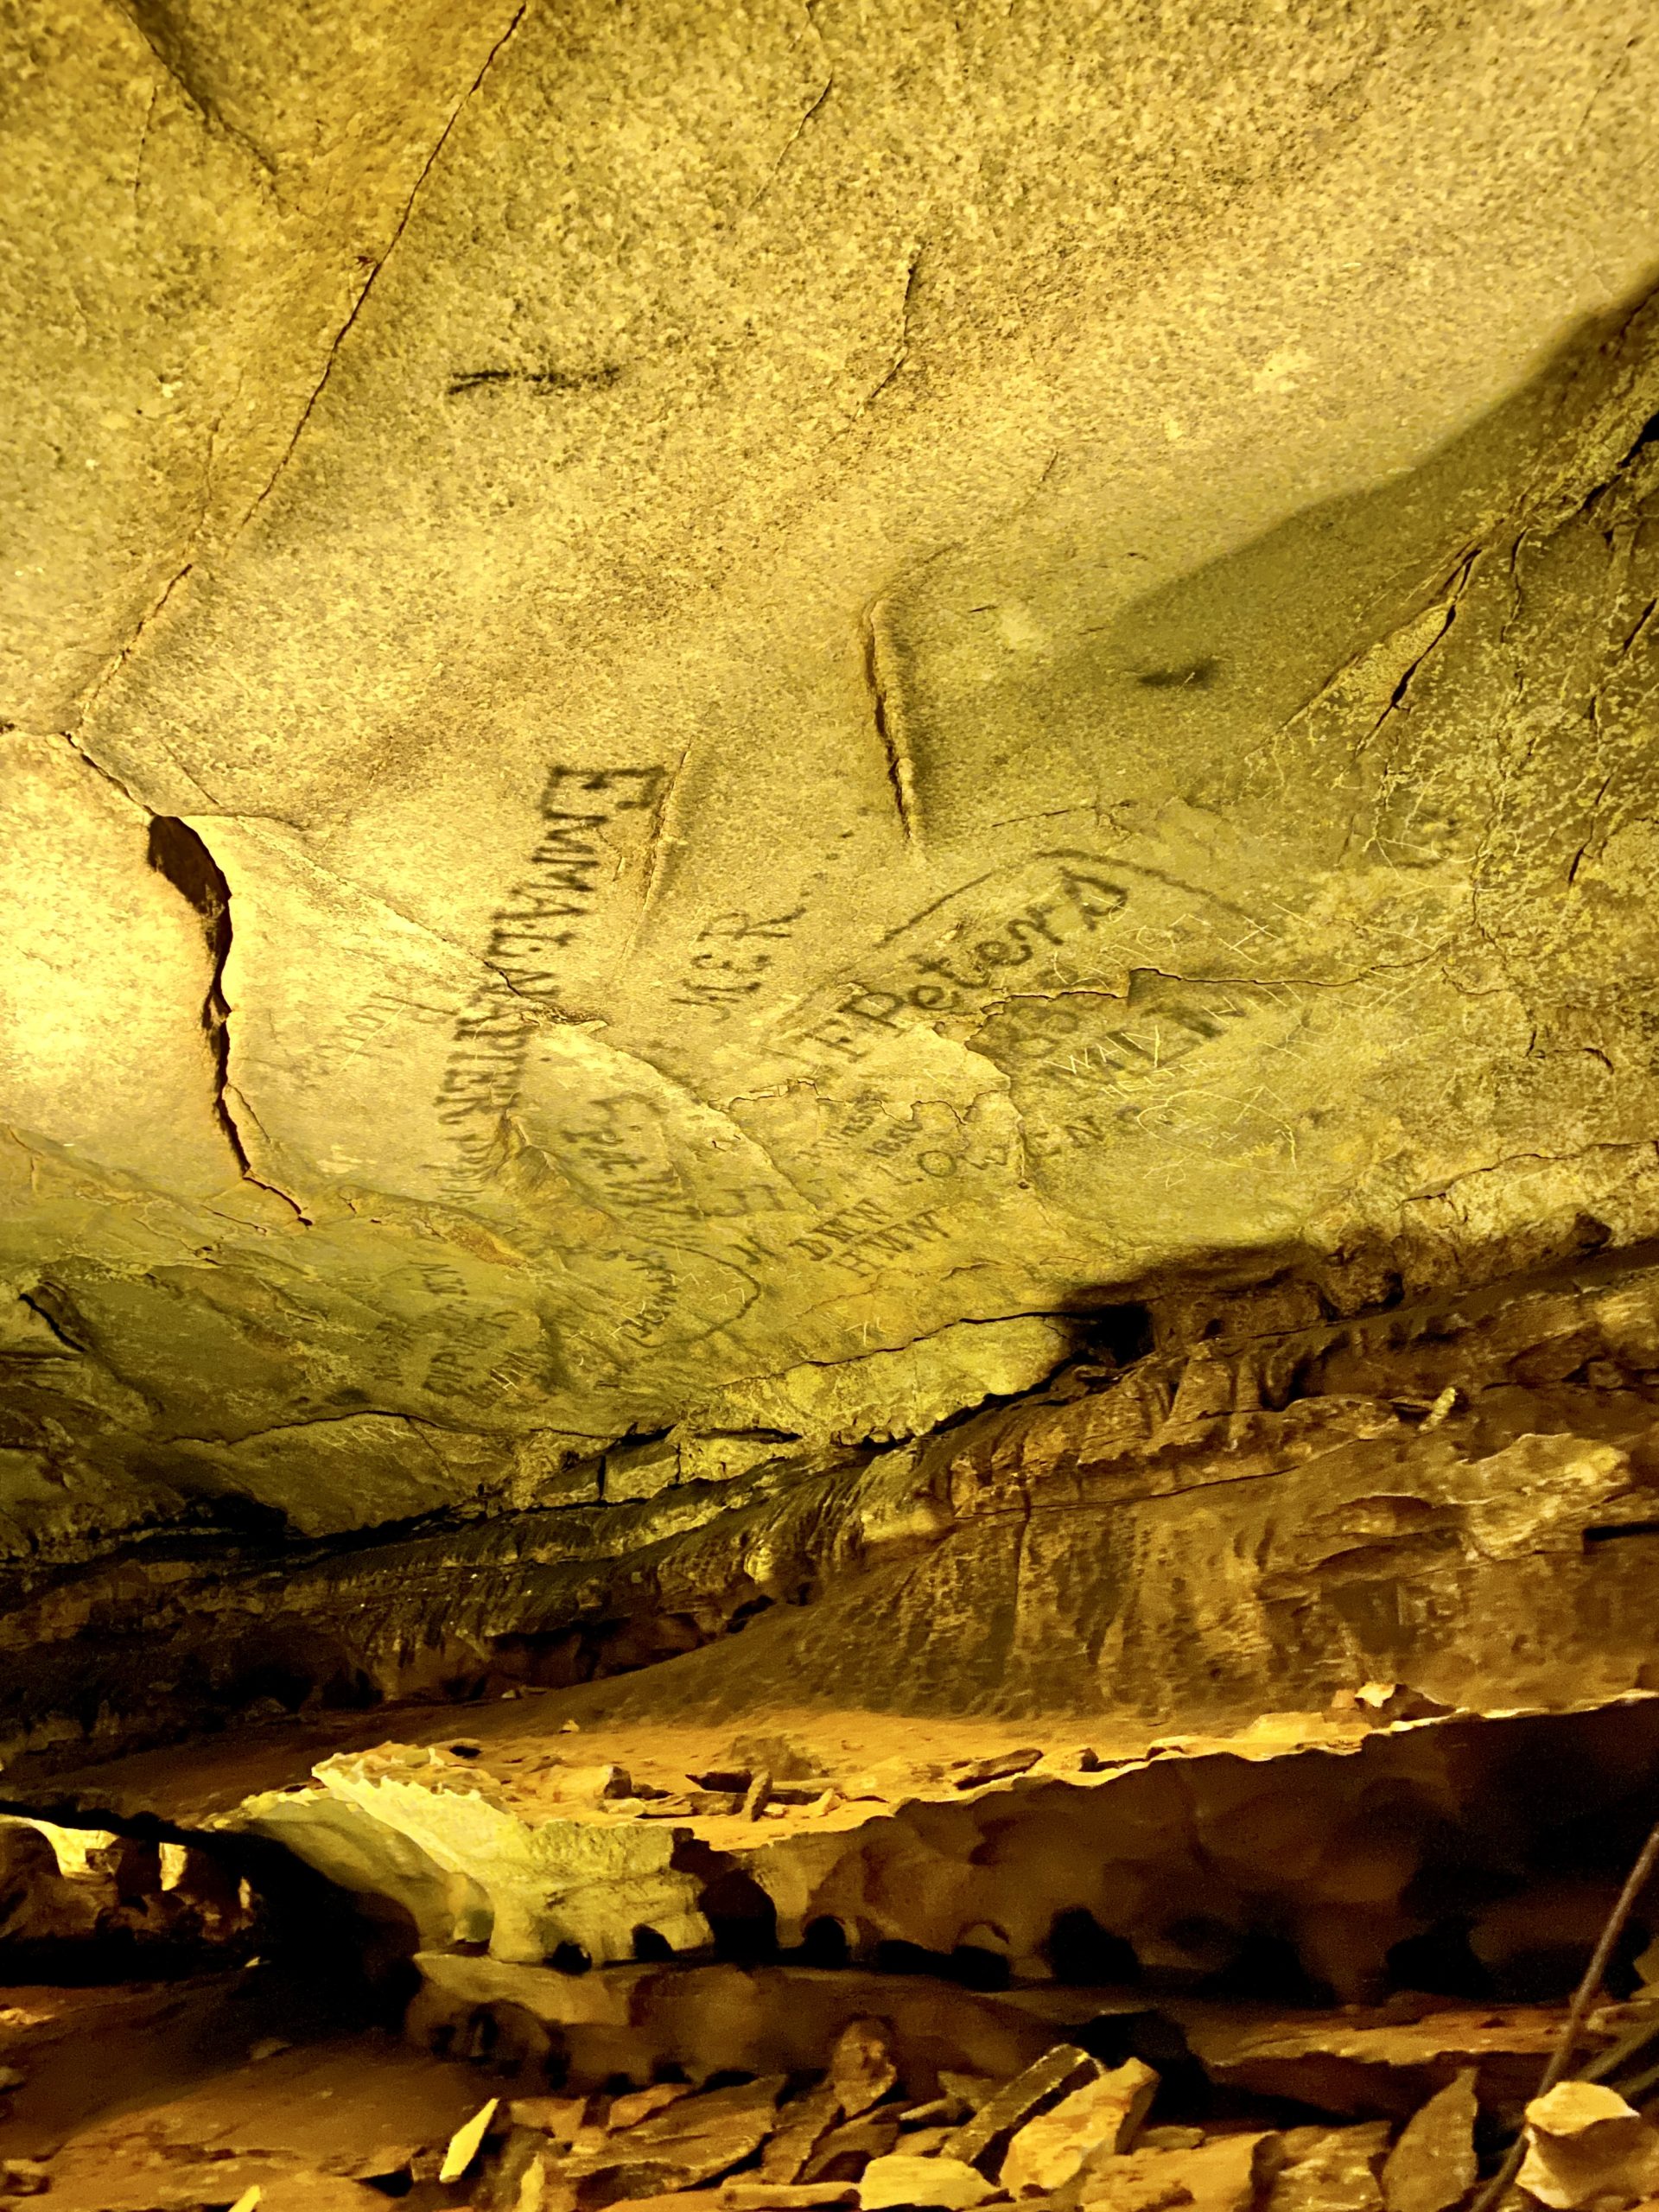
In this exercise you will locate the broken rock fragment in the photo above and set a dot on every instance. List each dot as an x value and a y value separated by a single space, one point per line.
1330 2169
464 2143
802 2126
862 2070
1585 2146
968 2093
558 2118
1366 2064
902 2179
1432 2166
982 2139
845 2151
589 1785
520 2174
697 2140
1102 2116
783 2196
972 1774
628 2111
1218 2177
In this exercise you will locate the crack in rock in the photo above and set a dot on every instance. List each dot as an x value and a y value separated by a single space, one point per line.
178 852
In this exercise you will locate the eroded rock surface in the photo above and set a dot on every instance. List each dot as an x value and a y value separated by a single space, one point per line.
1271 1512
829 966
713 721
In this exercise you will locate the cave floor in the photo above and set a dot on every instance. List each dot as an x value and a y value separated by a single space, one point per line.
874 1757
178 2095
186 2097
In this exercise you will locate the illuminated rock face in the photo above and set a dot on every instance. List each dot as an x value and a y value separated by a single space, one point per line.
720 722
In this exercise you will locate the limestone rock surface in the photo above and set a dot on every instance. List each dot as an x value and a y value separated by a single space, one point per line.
717 721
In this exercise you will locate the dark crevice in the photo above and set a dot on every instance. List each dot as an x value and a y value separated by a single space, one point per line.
178 854
51 1305
547 380
1647 436
1195 676
887 736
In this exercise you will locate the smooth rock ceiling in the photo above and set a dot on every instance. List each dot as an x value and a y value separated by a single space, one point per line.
694 693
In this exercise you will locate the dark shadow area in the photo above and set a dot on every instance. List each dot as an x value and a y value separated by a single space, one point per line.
1178 689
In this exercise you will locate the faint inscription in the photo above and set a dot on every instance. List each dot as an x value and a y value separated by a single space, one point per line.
1083 1075
734 951
563 879
974 969
863 1237
1066 1039
622 1156
543 914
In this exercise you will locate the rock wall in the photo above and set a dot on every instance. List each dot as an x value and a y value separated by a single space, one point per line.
1449 1501
718 721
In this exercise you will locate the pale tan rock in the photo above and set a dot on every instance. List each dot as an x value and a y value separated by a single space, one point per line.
458 1857
1217 2176
903 1392
982 2139
756 1798
971 2091
945 2111
1102 2116
560 2119
523 2169
687 2200
846 2150
802 2127
315 2193
636 2105
1433 2164
921 2142
537 2185
95 2181
760 2195
1586 2145
1336 2061
145 2184
1330 2169
589 1784
862 2070
694 2140
466 2143
1001 1766
899 2179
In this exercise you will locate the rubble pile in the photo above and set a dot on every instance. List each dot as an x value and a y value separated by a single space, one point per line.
1391 2110
1317 1965
882 2123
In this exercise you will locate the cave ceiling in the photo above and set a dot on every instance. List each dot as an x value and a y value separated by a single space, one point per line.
718 716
